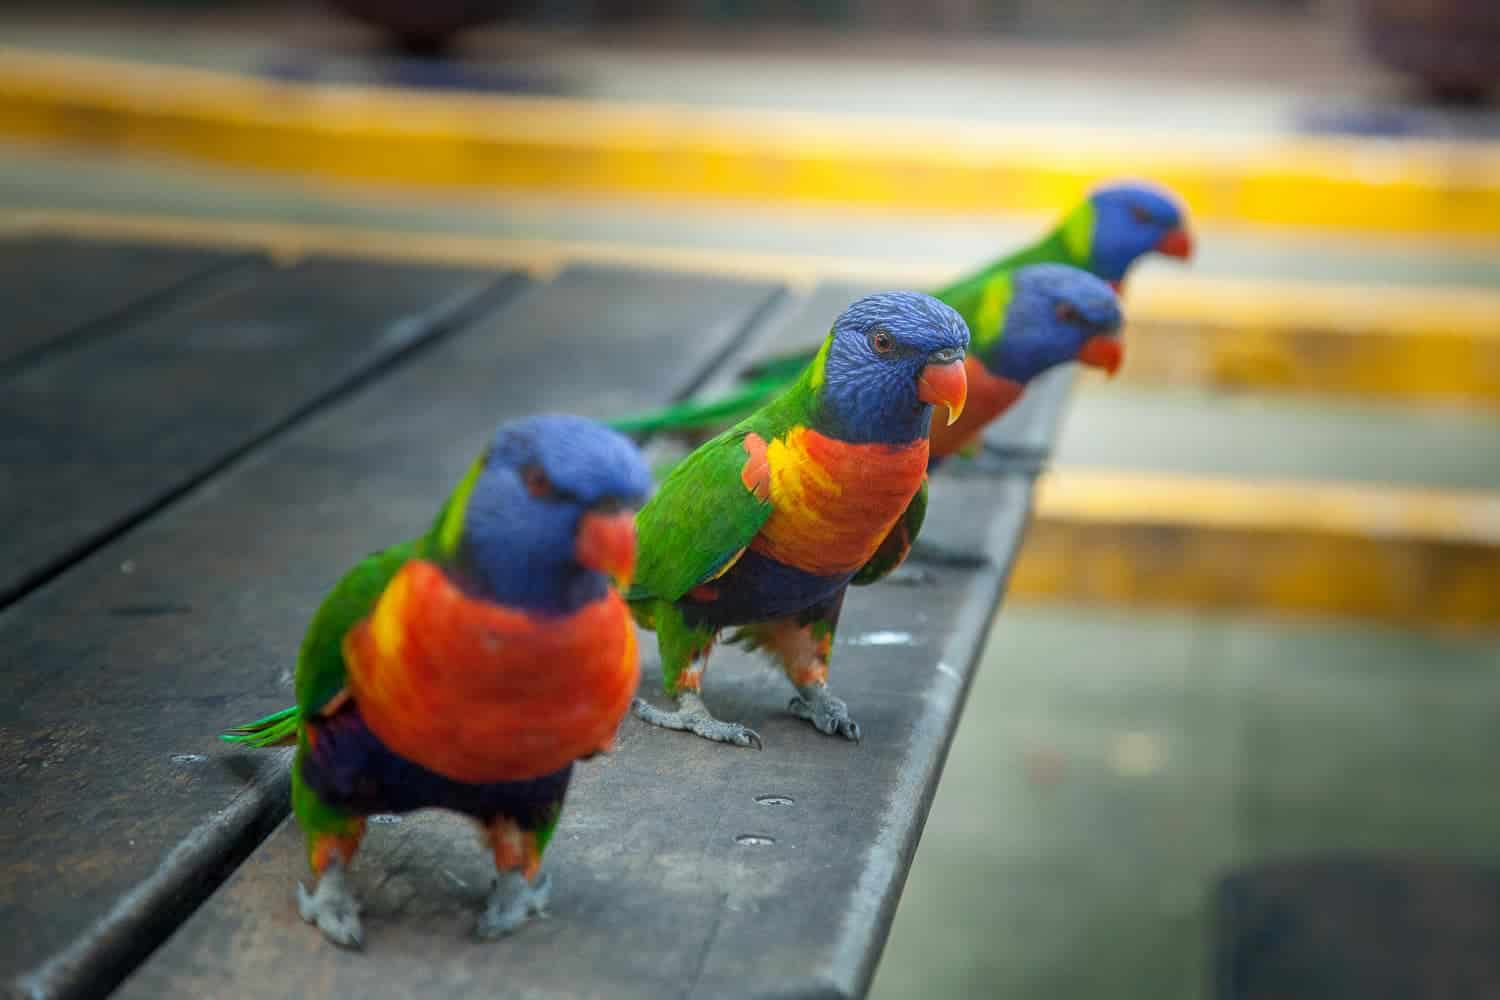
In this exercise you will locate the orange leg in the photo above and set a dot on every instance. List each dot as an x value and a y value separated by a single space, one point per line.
802 651
689 677
324 848
515 849
332 906
802 646
518 894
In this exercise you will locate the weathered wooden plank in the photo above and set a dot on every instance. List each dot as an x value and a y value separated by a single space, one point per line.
57 290
120 809
98 436
681 868
1358 927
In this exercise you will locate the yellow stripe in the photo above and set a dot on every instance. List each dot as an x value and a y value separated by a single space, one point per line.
1410 556
388 622
888 164
451 530
1381 341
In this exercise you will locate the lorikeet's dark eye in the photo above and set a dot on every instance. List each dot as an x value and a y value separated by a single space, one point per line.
881 341
537 483
1066 313
1140 214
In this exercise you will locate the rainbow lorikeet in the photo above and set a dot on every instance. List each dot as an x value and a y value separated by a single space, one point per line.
1028 322
1104 235
764 527
469 668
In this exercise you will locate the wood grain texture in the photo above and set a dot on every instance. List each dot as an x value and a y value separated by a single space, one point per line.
681 868
100 435
58 290
121 810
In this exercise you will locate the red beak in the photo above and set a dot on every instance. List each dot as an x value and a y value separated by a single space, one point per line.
606 544
945 384
1177 244
1102 351
1116 286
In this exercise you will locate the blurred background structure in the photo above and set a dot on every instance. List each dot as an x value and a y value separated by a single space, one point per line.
1255 620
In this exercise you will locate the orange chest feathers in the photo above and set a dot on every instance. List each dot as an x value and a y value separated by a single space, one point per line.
480 693
835 502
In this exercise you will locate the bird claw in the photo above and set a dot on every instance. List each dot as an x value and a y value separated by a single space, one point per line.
692 716
332 908
511 903
828 714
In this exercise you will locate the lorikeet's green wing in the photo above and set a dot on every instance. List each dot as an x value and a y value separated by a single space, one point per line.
898 542
706 512
320 665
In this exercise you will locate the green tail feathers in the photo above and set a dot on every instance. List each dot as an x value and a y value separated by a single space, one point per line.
276 729
690 415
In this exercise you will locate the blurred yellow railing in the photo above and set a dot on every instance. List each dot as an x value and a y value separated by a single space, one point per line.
1408 556
390 137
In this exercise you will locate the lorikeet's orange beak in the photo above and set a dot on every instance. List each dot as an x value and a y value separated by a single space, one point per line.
1102 351
1178 243
945 384
606 544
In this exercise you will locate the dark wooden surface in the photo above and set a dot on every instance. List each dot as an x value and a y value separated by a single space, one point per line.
61 291
1358 928
656 894
682 868
120 808
101 434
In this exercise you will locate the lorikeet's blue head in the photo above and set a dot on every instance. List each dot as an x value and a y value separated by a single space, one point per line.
1056 314
1129 221
547 518
890 358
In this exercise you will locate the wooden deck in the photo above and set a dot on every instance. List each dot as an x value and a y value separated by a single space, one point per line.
198 442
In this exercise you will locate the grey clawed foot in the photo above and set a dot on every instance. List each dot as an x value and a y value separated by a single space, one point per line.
333 908
827 714
692 716
511 903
